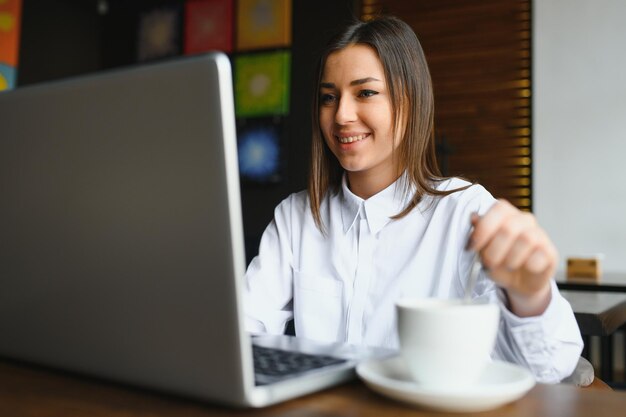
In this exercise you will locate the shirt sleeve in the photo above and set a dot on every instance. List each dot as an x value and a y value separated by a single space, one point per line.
549 345
268 289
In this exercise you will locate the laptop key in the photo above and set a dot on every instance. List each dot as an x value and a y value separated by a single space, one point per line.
271 365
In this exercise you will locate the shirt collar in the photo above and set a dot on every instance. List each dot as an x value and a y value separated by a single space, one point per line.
350 205
377 210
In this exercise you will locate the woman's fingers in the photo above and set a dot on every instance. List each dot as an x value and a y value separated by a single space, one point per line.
521 250
518 252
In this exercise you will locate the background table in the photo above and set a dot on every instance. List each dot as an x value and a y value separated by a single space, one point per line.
608 282
599 314
29 391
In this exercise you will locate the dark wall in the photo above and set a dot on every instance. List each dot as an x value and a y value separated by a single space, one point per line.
59 38
62 38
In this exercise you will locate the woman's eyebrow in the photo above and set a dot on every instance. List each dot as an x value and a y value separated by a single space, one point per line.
363 80
352 83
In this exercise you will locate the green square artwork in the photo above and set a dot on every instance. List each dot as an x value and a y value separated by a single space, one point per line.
262 84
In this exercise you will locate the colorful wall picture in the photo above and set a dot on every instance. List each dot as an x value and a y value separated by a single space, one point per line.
159 33
262 84
259 148
10 18
208 26
263 24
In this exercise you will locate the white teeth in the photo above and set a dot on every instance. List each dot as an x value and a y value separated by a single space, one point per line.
351 139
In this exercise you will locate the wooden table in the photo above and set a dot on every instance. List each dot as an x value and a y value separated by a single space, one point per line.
30 391
599 314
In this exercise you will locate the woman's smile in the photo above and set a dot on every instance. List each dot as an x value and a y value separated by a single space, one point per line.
351 137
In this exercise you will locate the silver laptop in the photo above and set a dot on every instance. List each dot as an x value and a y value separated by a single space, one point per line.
121 238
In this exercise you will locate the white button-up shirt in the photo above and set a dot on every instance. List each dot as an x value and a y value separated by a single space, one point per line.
343 286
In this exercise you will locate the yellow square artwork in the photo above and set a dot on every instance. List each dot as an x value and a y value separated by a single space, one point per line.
263 24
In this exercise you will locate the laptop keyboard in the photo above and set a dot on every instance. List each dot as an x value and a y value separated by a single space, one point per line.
271 365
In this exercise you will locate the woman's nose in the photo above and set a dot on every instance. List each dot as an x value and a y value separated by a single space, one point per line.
346 111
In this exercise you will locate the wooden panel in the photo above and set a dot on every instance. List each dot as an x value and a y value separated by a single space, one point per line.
479 56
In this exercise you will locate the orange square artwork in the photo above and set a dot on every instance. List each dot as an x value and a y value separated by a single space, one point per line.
10 13
263 24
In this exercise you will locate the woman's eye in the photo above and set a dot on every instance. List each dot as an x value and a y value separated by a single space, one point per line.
367 93
327 99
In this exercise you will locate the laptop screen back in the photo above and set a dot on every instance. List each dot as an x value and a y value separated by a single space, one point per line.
120 227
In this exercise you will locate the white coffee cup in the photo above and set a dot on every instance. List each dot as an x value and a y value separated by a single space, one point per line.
446 343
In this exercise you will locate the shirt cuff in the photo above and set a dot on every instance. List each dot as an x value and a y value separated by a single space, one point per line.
532 335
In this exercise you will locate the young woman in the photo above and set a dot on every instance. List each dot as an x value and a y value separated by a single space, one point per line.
378 221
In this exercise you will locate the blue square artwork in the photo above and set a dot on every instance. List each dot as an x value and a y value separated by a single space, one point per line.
259 146
7 76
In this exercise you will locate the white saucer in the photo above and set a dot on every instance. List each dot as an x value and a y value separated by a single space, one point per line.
500 383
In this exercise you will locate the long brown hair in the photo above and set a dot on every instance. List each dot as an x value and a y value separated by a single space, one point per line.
412 102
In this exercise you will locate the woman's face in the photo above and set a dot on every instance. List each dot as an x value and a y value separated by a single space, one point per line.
355 114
